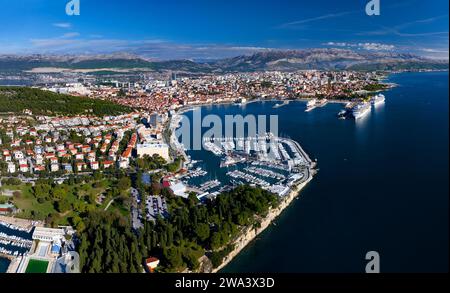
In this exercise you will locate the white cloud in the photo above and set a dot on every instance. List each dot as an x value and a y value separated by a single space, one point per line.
71 35
294 24
363 46
63 25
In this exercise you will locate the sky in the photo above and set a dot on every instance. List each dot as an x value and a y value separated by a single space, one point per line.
211 29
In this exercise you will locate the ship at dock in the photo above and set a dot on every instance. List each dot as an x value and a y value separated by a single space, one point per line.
378 99
360 110
315 103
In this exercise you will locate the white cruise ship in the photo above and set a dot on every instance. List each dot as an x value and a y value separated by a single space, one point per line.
360 110
378 99
312 104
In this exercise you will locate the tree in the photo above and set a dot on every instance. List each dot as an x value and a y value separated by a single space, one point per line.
62 205
173 258
202 231
124 183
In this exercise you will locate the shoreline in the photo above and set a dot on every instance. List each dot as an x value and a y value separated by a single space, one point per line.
249 234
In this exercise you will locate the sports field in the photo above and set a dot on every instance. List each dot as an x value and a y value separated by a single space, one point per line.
37 266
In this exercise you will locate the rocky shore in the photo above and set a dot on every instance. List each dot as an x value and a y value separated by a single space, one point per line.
250 233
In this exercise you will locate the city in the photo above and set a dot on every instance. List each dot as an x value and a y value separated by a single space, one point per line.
204 145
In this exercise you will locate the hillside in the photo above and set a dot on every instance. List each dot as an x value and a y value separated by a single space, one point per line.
328 59
16 99
281 60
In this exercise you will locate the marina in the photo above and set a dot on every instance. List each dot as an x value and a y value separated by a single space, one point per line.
14 241
272 163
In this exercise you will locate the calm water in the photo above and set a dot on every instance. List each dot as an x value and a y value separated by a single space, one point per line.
382 185
4 263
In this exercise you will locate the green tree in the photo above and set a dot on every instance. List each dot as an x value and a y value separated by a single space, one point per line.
202 231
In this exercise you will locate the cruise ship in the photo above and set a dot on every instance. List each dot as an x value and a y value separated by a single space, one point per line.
311 105
360 110
378 99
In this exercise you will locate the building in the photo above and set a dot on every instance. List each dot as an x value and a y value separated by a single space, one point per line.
11 168
151 149
6 209
94 165
54 167
47 234
179 189
53 249
124 164
108 164
152 263
23 168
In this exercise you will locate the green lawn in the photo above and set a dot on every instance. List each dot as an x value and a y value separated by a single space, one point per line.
37 266
27 203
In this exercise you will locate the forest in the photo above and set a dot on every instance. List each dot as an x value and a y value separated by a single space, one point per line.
193 229
17 99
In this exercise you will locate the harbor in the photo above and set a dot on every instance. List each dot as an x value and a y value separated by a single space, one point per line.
272 163
14 241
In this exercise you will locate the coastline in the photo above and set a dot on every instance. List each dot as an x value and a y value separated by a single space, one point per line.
248 234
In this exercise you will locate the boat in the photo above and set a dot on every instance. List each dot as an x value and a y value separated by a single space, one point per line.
378 99
360 110
281 104
229 161
311 105
342 114
322 102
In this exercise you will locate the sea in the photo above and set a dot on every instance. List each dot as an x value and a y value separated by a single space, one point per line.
4 263
382 184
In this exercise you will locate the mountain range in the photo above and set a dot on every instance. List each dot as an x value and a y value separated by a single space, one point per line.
281 60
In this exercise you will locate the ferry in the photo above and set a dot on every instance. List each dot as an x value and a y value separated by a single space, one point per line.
378 99
360 110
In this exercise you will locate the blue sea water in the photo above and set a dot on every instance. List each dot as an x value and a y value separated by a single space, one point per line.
382 185
4 263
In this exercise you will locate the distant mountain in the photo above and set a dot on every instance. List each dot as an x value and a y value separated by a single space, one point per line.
14 62
282 60
327 59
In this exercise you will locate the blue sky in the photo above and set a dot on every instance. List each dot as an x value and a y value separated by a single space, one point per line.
206 29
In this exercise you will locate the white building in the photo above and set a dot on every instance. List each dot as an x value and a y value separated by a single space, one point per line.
18 155
11 168
47 234
124 164
54 167
179 189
